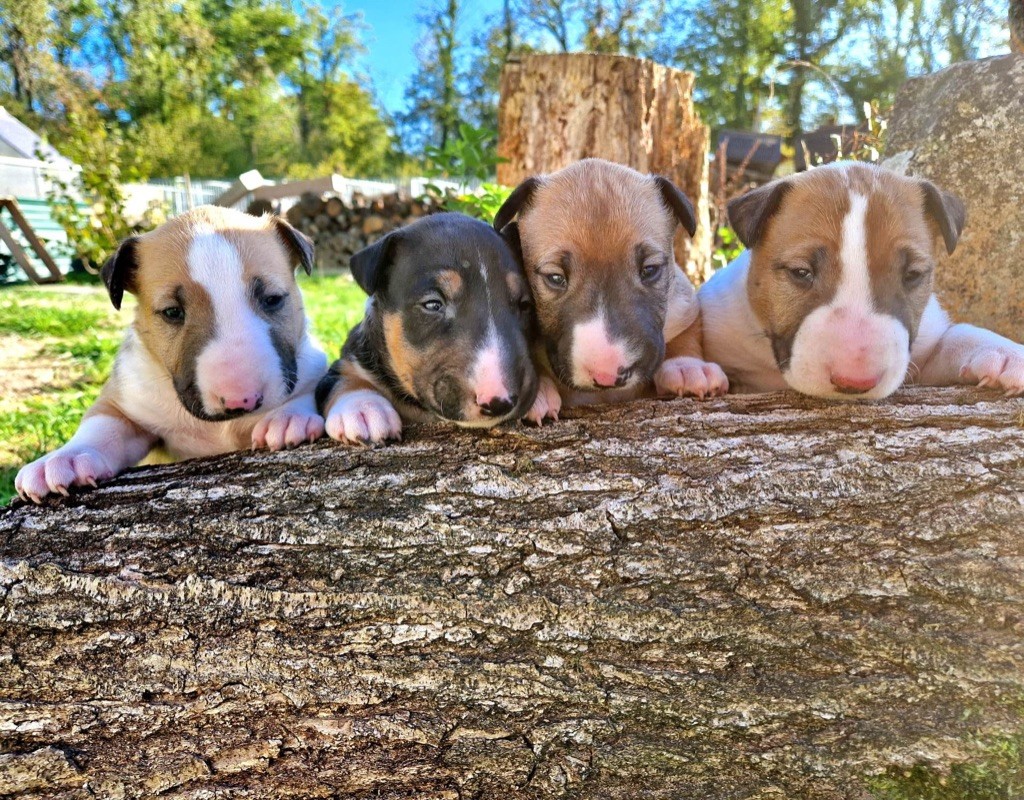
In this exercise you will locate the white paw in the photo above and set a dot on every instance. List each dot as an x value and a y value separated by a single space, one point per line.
285 428
57 472
362 417
998 367
685 375
547 404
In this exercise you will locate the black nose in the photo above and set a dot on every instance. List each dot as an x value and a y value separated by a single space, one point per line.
498 406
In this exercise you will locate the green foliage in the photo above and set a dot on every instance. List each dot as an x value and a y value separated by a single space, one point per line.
470 157
727 246
76 330
100 150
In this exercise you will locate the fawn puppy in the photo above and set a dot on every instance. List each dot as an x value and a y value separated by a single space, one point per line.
617 318
834 297
218 357
444 336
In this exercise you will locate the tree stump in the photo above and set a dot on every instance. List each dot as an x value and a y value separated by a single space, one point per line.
1017 26
755 597
556 109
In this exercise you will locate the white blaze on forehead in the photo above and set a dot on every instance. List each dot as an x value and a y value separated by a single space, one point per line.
215 264
488 369
854 290
595 352
847 338
240 359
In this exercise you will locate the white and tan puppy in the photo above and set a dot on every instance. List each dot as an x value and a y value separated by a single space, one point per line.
617 317
218 358
834 297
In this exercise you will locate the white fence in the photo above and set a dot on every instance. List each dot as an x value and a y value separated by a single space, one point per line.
27 177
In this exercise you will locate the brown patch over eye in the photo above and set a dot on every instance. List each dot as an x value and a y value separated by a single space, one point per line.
450 283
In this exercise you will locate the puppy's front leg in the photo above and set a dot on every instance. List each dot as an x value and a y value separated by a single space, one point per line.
969 355
290 425
105 444
684 370
355 411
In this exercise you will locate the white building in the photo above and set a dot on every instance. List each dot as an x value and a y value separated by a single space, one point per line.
23 173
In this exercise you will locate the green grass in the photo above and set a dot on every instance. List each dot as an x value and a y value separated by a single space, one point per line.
74 330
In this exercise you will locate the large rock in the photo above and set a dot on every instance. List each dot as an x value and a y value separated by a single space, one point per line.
964 129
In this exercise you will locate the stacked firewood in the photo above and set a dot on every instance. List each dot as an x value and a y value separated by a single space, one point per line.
340 229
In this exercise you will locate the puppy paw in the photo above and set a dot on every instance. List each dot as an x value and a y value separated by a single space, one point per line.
57 472
997 367
363 417
685 375
547 404
286 428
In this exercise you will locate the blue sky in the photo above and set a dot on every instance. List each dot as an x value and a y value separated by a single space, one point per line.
391 41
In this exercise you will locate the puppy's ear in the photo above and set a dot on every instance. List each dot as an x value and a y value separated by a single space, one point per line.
517 201
510 233
750 213
948 212
300 246
679 204
118 272
370 266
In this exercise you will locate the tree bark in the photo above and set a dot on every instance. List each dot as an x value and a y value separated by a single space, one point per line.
755 597
1017 26
556 109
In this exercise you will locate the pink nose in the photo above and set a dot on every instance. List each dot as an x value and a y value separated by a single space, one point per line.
604 379
854 384
242 403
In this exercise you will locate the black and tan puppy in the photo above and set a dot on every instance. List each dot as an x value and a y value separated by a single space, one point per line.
618 319
444 334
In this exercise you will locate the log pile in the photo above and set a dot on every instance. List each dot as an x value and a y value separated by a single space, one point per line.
340 229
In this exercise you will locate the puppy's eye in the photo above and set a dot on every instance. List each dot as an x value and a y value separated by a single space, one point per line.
651 272
914 277
556 280
801 276
522 305
173 314
433 305
273 302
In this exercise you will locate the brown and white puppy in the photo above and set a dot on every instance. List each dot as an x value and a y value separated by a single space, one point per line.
834 297
218 357
617 318
443 336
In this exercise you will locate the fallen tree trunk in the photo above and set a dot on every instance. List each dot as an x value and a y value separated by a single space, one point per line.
761 597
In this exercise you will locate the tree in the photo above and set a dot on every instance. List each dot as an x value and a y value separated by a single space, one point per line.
761 596
818 26
732 46
340 129
29 71
436 105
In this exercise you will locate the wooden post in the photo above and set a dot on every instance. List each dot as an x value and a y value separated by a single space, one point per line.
10 204
556 109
